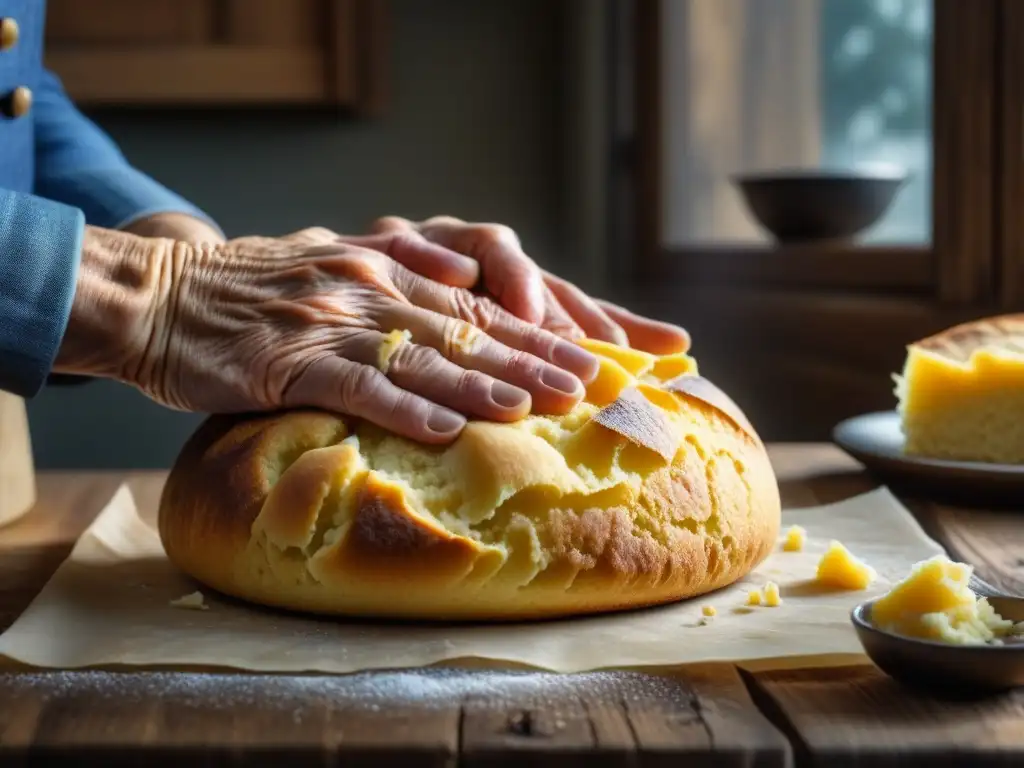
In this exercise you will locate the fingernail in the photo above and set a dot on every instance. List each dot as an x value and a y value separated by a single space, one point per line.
507 396
561 380
576 359
442 422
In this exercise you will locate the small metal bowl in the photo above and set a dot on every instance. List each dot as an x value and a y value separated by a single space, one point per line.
802 206
956 669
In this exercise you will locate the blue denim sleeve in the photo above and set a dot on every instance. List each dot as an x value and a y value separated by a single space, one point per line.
79 165
40 247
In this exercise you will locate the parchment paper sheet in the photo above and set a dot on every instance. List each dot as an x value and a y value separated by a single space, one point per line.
108 605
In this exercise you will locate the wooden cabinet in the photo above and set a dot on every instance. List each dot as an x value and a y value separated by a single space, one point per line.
220 52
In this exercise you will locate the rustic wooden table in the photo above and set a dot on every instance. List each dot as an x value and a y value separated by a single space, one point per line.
713 715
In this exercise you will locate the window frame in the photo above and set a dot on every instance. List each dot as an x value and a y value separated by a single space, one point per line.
1010 230
958 267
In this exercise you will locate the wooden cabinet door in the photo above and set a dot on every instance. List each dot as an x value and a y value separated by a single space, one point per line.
219 52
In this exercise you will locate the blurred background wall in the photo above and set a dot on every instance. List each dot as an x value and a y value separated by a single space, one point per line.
473 128
606 132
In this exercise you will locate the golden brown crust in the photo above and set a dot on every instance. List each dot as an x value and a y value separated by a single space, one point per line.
959 341
701 389
544 518
638 419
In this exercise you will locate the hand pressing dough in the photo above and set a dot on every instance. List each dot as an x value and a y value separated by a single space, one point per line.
654 489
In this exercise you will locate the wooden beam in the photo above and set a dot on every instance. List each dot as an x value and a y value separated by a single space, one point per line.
1011 155
647 95
964 149
881 268
359 54
189 76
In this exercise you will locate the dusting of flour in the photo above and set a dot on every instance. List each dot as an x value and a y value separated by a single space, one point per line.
375 691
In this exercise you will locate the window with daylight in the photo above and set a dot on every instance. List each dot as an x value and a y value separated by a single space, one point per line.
756 86
716 88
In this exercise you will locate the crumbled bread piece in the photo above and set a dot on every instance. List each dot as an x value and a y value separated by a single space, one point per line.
935 602
194 601
839 568
708 610
772 596
392 341
796 537
754 597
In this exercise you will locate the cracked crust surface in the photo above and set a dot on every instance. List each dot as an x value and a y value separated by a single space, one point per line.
663 494
1002 333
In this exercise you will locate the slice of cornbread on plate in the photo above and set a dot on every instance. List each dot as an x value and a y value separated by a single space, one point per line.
961 393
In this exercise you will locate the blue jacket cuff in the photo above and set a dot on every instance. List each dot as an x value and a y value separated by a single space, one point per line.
115 197
40 247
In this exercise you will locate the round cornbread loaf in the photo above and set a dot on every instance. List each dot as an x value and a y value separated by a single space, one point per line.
653 489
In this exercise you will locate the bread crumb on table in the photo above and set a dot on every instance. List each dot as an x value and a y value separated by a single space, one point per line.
708 610
795 539
772 596
194 601
839 568
754 597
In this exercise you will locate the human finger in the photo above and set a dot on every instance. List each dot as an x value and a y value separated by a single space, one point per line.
311 236
649 335
558 321
343 386
389 224
552 389
508 274
594 321
414 251
424 371
497 323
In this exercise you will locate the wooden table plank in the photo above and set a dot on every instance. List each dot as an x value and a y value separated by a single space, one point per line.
701 716
384 719
992 541
532 730
395 735
32 548
812 474
101 718
856 716
740 733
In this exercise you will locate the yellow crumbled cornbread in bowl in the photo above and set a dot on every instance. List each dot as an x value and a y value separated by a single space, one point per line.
935 602
654 488
839 568
961 393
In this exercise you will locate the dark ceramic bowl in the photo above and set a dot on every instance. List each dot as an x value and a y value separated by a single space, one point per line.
801 206
961 670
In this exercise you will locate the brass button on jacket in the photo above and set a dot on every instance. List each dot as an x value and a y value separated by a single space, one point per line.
9 33
17 103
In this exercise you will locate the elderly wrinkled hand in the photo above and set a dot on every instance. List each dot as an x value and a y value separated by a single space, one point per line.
494 257
223 328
